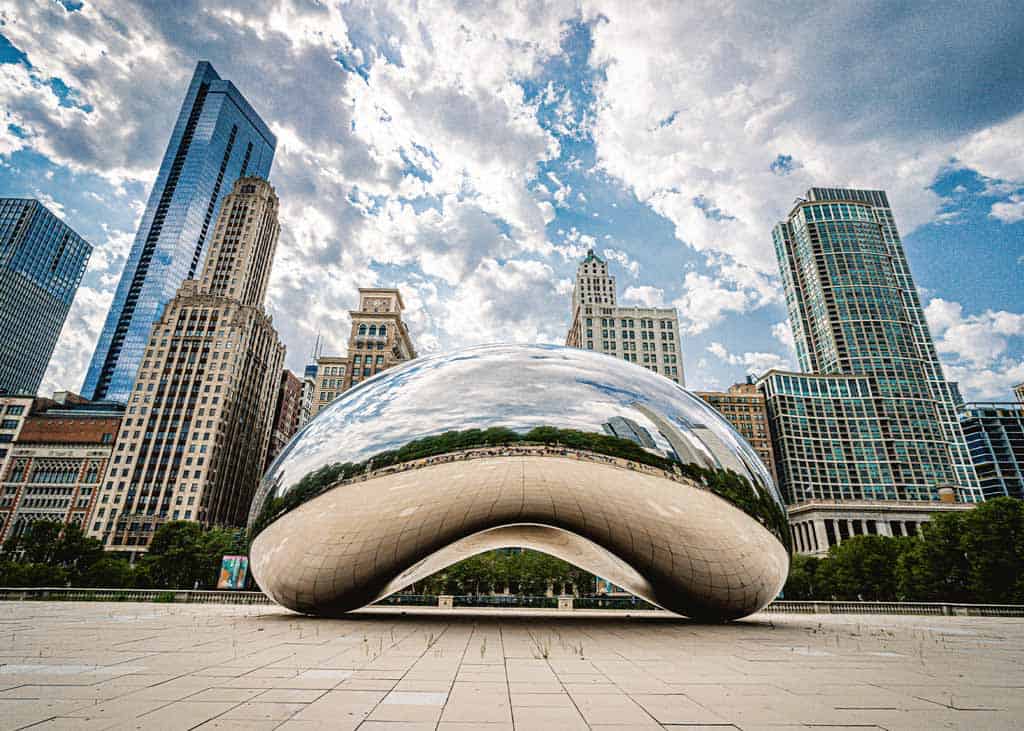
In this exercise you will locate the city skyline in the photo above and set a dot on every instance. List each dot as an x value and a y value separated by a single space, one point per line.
449 191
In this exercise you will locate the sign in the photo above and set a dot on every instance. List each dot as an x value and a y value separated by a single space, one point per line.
232 572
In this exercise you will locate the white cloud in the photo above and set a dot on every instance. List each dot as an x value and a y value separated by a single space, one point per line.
1009 211
975 348
706 301
782 332
755 363
624 260
698 102
644 296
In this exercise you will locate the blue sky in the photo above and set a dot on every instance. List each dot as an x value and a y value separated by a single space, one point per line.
470 153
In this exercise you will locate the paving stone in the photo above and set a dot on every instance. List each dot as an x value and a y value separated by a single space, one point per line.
130 666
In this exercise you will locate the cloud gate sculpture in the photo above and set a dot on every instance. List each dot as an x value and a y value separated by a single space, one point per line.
585 457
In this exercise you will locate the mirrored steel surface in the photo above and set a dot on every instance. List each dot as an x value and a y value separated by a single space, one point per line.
699 528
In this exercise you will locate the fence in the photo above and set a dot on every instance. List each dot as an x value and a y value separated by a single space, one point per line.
188 596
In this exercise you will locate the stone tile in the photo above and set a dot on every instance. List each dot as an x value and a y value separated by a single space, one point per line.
676 709
256 711
180 715
564 718
86 665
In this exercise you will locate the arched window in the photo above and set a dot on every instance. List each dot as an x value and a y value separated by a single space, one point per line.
362 329
383 330
373 330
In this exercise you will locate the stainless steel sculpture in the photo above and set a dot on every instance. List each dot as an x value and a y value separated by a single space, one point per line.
588 458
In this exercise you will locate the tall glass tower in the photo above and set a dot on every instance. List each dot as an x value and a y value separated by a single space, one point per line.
871 416
217 139
41 264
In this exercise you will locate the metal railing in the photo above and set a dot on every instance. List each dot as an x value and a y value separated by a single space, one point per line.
191 596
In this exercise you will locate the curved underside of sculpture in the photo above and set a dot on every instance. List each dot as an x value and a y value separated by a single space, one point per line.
678 546
589 458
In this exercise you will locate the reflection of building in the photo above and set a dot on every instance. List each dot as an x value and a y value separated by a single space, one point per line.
216 139
194 440
743 406
419 470
647 336
57 463
41 263
622 428
378 341
872 416
995 437
287 413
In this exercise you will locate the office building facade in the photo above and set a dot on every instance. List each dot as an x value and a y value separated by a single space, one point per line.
42 261
647 336
744 406
379 340
217 138
995 438
1018 391
197 427
57 463
871 417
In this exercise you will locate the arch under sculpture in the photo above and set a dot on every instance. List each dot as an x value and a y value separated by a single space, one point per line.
583 456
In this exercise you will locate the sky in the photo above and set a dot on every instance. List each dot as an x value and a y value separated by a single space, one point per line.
470 153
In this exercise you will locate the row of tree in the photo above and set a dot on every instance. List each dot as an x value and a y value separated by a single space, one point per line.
181 556
523 572
971 556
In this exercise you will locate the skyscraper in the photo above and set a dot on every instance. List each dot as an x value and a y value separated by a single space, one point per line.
872 417
195 435
217 138
41 264
599 324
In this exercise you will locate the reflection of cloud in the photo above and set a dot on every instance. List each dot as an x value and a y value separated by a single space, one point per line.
516 387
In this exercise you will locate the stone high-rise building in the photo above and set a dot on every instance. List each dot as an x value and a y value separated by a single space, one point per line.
287 414
647 336
41 264
57 463
871 421
1018 391
378 341
743 406
217 138
195 435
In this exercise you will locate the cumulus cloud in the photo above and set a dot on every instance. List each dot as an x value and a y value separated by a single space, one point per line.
755 363
975 348
644 296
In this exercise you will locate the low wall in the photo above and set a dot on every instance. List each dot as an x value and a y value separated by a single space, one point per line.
189 596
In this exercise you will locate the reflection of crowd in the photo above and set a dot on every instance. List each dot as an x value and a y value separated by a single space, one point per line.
517 450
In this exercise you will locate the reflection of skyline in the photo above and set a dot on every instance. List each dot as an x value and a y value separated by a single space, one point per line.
516 387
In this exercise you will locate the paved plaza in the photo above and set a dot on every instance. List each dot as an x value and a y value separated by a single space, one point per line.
167 666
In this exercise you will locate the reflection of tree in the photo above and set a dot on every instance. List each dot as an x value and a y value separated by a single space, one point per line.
727 484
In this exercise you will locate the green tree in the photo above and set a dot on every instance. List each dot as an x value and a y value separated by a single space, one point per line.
802 583
109 573
935 568
993 541
863 568
182 555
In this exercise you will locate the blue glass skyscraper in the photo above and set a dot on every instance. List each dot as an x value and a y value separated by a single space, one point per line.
217 139
41 263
